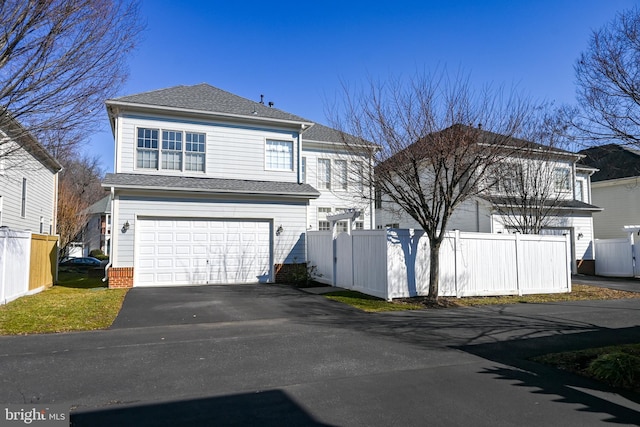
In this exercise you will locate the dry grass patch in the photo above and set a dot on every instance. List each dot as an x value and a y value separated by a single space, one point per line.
76 303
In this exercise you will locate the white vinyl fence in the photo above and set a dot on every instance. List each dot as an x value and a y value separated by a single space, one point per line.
616 257
15 253
395 263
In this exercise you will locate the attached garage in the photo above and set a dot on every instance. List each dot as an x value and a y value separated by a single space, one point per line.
187 251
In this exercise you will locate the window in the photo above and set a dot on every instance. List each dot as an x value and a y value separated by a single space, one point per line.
41 225
378 198
147 148
176 146
580 191
392 225
194 157
280 155
358 225
357 179
561 179
342 226
324 226
324 174
303 172
23 208
171 150
341 174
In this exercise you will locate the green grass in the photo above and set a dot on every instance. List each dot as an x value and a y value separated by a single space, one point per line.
372 304
369 303
76 303
616 365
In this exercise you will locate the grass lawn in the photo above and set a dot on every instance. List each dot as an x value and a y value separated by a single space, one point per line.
618 365
372 304
76 303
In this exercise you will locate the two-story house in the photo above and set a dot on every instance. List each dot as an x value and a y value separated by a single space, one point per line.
210 187
28 181
533 181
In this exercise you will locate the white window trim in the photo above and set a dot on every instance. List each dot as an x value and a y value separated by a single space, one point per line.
323 187
266 155
567 188
342 176
184 151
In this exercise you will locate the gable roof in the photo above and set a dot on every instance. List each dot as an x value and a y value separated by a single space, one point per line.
209 185
614 161
101 206
18 133
205 98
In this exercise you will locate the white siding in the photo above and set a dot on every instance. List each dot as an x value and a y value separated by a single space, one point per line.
351 198
232 151
289 246
620 200
41 193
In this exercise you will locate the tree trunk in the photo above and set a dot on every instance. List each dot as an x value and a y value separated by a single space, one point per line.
434 268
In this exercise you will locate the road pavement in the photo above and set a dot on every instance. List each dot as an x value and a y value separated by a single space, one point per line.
272 355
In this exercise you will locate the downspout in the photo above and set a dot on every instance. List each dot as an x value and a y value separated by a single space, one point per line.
108 266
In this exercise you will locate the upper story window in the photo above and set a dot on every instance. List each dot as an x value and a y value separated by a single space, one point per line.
147 148
580 190
23 204
303 172
180 150
324 174
194 160
358 176
279 155
171 150
341 175
561 179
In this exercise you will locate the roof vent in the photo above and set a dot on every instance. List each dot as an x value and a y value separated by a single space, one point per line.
270 104
261 99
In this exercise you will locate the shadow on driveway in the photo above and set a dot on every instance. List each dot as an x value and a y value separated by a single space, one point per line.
268 409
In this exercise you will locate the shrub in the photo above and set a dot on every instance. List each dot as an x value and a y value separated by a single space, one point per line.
618 369
98 254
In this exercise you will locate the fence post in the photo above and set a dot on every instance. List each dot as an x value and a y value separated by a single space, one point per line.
456 243
518 269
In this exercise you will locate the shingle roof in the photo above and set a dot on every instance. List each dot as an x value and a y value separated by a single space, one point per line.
206 98
101 206
209 185
559 204
614 161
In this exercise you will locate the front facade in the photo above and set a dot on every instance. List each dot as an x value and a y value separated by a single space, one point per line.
615 188
565 187
210 187
28 182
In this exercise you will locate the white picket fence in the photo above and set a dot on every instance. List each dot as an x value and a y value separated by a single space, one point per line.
616 257
15 253
395 263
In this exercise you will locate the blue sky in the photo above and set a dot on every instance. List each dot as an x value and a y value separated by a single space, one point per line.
297 53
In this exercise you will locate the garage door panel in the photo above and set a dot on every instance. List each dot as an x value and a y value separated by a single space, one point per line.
209 251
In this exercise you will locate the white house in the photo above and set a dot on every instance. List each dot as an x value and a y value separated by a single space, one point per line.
568 199
210 187
615 188
28 182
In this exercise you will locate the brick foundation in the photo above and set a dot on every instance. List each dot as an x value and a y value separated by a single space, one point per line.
288 273
121 277
587 266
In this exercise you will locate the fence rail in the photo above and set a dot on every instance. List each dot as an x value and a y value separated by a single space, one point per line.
27 263
395 263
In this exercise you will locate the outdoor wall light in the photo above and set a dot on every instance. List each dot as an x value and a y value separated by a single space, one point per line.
279 230
580 235
125 227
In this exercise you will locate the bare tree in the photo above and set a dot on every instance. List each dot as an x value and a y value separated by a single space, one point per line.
59 61
431 155
533 183
79 187
608 78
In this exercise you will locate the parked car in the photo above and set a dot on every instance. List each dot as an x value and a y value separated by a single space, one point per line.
81 264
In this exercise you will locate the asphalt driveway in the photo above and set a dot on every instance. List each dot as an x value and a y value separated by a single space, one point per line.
273 355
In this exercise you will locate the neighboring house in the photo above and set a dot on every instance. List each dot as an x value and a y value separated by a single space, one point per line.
97 232
493 212
615 187
28 182
210 187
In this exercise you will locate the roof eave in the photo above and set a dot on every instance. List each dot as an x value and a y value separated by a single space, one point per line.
228 116
210 191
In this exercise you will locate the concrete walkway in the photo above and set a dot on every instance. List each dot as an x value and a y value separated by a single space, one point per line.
621 284
272 355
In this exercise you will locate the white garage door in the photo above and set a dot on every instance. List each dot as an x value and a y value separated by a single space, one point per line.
178 251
